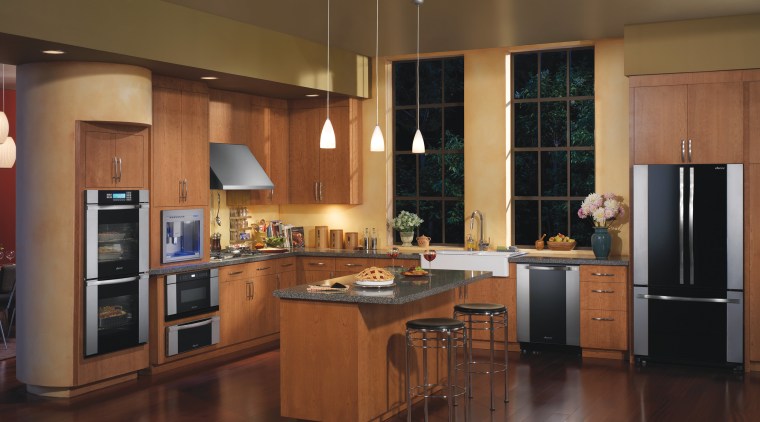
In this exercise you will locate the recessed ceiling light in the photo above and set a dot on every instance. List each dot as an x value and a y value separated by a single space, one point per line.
53 51
209 78
312 95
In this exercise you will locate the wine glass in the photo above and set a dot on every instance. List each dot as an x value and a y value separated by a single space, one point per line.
429 255
393 253
10 255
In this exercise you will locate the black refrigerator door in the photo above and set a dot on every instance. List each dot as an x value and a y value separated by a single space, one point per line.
707 227
666 201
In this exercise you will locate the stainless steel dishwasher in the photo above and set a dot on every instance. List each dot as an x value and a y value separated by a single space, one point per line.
548 304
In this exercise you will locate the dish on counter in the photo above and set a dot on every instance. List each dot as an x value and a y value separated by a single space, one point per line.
561 246
373 283
273 250
415 273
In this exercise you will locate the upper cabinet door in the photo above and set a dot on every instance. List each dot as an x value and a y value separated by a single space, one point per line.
131 152
659 124
195 149
305 128
716 122
166 186
753 116
116 156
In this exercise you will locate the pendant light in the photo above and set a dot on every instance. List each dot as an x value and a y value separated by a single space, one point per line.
7 146
418 144
327 138
378 142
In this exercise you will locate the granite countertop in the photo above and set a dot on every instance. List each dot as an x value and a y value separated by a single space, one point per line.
581 257
334 253
405 290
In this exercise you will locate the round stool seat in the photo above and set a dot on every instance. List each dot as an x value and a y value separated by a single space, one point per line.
435 324
480 308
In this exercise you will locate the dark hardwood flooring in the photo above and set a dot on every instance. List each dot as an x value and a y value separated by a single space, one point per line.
545 387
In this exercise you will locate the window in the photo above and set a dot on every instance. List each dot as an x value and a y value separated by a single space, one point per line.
553 143
430 185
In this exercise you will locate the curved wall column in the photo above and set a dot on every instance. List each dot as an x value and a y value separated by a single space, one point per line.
51 98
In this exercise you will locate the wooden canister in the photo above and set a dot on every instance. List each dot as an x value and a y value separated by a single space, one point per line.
322 237
336 239
352 240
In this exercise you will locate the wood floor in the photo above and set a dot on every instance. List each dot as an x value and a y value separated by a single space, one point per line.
546 387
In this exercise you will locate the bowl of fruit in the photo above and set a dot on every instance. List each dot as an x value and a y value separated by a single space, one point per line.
560 242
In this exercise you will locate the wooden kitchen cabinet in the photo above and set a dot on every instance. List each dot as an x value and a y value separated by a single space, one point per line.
695 118
604 315
325 176
180 163
235 286
753 119
313 269
348 266
115 156
261 124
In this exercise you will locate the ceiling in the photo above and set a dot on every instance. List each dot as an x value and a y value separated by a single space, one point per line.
450 25
445 25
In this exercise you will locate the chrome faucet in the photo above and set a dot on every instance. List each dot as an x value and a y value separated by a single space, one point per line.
482 244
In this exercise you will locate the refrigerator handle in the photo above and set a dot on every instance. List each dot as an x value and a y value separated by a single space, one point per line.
691 222
680 224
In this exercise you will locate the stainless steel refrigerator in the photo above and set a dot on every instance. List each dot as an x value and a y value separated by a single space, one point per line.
688 264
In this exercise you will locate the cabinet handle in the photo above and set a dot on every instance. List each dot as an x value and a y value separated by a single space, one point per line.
271 194
247 290
603 319
119 167
286 265
353 265
263 268
690 150
683 151
186 190
180 190
115 171
253 290
602 291
278 282
316 194
236 273
603 274
320 191
319 264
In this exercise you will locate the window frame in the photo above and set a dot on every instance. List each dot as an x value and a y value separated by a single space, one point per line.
539 148
443 199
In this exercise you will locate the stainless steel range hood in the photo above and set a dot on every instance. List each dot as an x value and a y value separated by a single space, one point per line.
233 167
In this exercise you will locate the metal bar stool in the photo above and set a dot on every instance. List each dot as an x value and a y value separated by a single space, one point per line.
481 317
436 334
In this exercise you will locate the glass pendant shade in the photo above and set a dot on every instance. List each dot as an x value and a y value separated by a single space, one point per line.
4 127
7 153
418 145
378 142
327 139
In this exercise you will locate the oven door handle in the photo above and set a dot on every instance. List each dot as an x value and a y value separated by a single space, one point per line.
193 325
113 207
114 281
688 299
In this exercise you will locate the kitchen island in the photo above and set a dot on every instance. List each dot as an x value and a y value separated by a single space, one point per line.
343 354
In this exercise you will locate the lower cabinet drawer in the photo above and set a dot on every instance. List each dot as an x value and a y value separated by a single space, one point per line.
192 335
609 296
604 329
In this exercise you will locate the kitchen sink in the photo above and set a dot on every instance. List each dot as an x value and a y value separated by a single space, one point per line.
496 262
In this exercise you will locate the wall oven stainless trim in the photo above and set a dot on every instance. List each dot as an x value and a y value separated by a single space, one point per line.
91 310
735 226
172 333
91 231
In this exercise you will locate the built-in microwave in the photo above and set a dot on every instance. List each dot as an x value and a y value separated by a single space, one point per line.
182 238
192 335
192 293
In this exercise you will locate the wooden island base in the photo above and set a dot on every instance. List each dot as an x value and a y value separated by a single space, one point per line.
346 361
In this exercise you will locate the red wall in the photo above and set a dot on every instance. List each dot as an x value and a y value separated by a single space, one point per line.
8 185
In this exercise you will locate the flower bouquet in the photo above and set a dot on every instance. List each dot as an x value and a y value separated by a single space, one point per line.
405 222
603 209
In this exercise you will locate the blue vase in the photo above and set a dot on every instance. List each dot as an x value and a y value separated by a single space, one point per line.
601 242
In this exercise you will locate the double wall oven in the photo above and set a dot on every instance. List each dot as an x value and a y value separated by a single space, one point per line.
116 270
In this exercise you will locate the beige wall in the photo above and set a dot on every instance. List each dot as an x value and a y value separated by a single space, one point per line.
51 98
697 45
486 151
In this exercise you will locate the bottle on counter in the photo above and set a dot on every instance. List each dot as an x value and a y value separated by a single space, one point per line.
366 242
373 240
